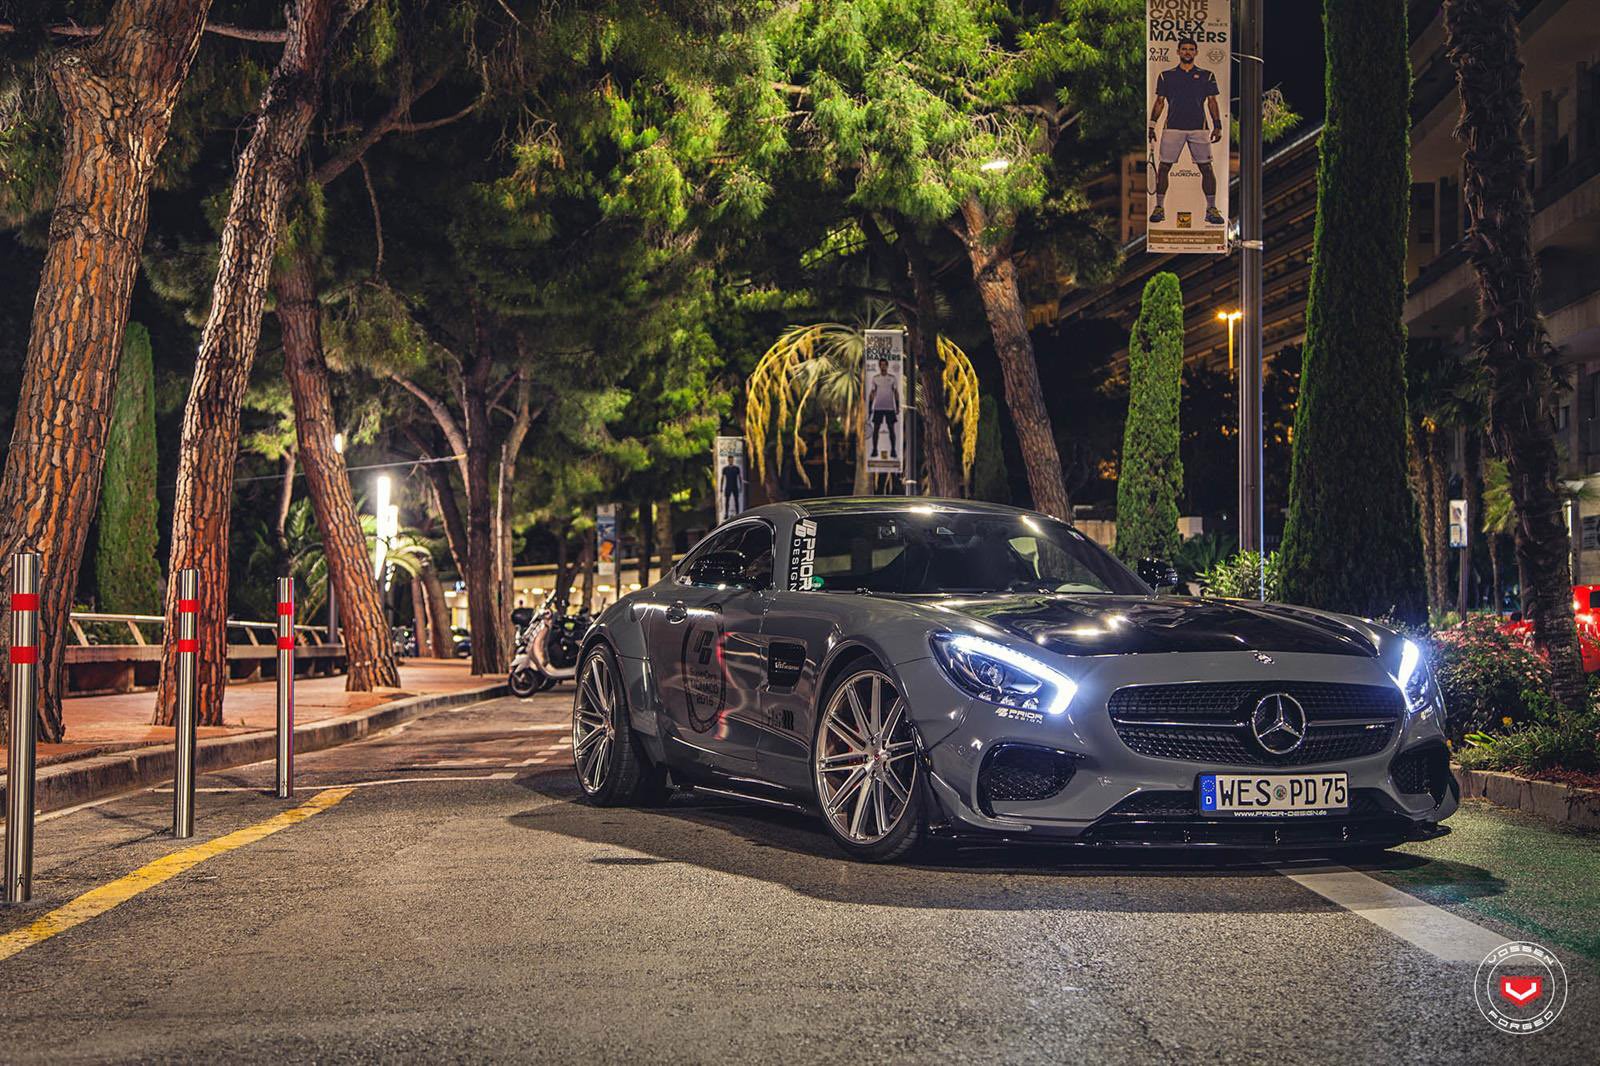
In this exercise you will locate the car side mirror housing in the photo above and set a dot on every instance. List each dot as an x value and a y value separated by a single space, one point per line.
522 616
1159 574
727 568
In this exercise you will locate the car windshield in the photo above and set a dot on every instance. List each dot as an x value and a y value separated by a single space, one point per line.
954 552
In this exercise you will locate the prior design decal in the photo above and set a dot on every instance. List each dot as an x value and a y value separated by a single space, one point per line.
802 555
705 684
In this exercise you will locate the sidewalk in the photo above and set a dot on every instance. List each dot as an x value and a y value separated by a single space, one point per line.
102 724
111 745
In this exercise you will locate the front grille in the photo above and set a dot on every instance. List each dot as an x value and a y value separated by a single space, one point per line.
1023 773
1422 771
1209 722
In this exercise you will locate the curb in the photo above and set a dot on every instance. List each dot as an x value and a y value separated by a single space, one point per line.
1563 804
79 781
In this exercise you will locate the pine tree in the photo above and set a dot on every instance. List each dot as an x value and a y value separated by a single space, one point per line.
1152 472
126 572
1351 542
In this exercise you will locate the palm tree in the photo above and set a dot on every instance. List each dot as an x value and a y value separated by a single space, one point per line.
1482 43
809 381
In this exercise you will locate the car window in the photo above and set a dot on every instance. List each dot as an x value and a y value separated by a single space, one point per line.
753 540
933 552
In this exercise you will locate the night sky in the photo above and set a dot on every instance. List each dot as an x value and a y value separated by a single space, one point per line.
1293 33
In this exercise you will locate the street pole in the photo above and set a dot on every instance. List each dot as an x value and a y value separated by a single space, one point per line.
285 687
1252 534
24 702
183 723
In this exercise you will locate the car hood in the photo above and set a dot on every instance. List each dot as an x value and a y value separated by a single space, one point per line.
1126 625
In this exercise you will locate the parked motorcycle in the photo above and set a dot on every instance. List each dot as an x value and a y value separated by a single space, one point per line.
548 641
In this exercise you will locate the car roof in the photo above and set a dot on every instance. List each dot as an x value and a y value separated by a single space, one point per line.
836 505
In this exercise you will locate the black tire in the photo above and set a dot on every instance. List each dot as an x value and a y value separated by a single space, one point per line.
909 825
525 682
608 760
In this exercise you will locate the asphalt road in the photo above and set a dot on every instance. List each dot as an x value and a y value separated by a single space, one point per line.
462 905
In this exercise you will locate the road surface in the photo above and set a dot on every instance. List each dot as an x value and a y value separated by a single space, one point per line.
438 893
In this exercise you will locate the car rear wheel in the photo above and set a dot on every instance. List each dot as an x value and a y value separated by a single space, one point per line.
864 765
612 768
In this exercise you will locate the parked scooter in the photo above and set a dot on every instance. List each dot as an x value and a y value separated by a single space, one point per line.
548 641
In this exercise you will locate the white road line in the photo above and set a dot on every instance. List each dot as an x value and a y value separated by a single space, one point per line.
530 762
1433 929
352 784
557 727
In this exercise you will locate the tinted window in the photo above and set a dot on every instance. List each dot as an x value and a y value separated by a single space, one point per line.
963 553
753 540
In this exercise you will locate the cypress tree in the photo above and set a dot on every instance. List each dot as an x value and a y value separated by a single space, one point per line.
1152 472
126 572
1352 542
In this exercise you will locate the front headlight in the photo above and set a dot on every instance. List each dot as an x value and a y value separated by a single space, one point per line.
1415 678
1002 675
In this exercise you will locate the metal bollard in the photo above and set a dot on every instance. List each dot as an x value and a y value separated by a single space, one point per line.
183 721
285 687
24 701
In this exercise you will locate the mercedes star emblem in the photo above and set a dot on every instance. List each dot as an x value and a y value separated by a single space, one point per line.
1279 723
1263 658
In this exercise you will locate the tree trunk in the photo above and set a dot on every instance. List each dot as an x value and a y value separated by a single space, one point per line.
505 477
1495 579
647 544
1419 459
1439 560
444 641
586 566
996 276
488 656
443 495
1472 486
1482 43
116 94
664 537
922 335
266 173
861 484
280 525
369 649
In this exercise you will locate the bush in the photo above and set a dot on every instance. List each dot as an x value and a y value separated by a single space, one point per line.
1555 739
1486 676
1152 473
1199 554
1236 577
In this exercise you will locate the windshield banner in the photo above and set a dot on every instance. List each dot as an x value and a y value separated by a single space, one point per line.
728 466
883 391
1188 73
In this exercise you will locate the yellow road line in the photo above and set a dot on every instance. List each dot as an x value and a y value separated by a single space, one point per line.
98 900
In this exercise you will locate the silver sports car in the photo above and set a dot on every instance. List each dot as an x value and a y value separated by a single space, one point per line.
911 667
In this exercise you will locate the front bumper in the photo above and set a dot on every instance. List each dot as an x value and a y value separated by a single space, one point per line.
1114 795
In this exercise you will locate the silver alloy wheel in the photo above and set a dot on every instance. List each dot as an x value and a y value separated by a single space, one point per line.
865 763
593 723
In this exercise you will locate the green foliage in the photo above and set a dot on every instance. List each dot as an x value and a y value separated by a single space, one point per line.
1152 473
990 481
1554 739
1351 542
127 576
1197 555
1237 577
1486 675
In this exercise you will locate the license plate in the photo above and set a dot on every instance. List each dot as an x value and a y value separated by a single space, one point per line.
1274 794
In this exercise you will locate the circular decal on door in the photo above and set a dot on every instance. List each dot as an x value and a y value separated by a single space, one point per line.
705 682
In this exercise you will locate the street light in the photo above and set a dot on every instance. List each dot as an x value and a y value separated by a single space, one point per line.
383 485
995 164
1230 317
338 443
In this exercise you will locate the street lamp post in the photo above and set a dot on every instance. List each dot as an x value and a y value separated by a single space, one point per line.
333 591
1252 535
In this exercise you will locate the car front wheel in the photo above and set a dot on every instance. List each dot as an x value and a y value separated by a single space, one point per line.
865 768
612 768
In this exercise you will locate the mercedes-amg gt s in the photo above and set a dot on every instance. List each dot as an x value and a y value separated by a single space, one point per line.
911 666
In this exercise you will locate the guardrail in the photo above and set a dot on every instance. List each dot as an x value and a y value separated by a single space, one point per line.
99 669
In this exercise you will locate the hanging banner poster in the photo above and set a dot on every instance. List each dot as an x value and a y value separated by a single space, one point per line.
728 465
607 550
1188 74
883 391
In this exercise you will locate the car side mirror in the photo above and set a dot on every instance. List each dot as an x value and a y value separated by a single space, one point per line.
1159 574
728 568
522 616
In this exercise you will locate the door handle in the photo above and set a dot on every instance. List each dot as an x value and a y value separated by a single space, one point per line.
677 612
